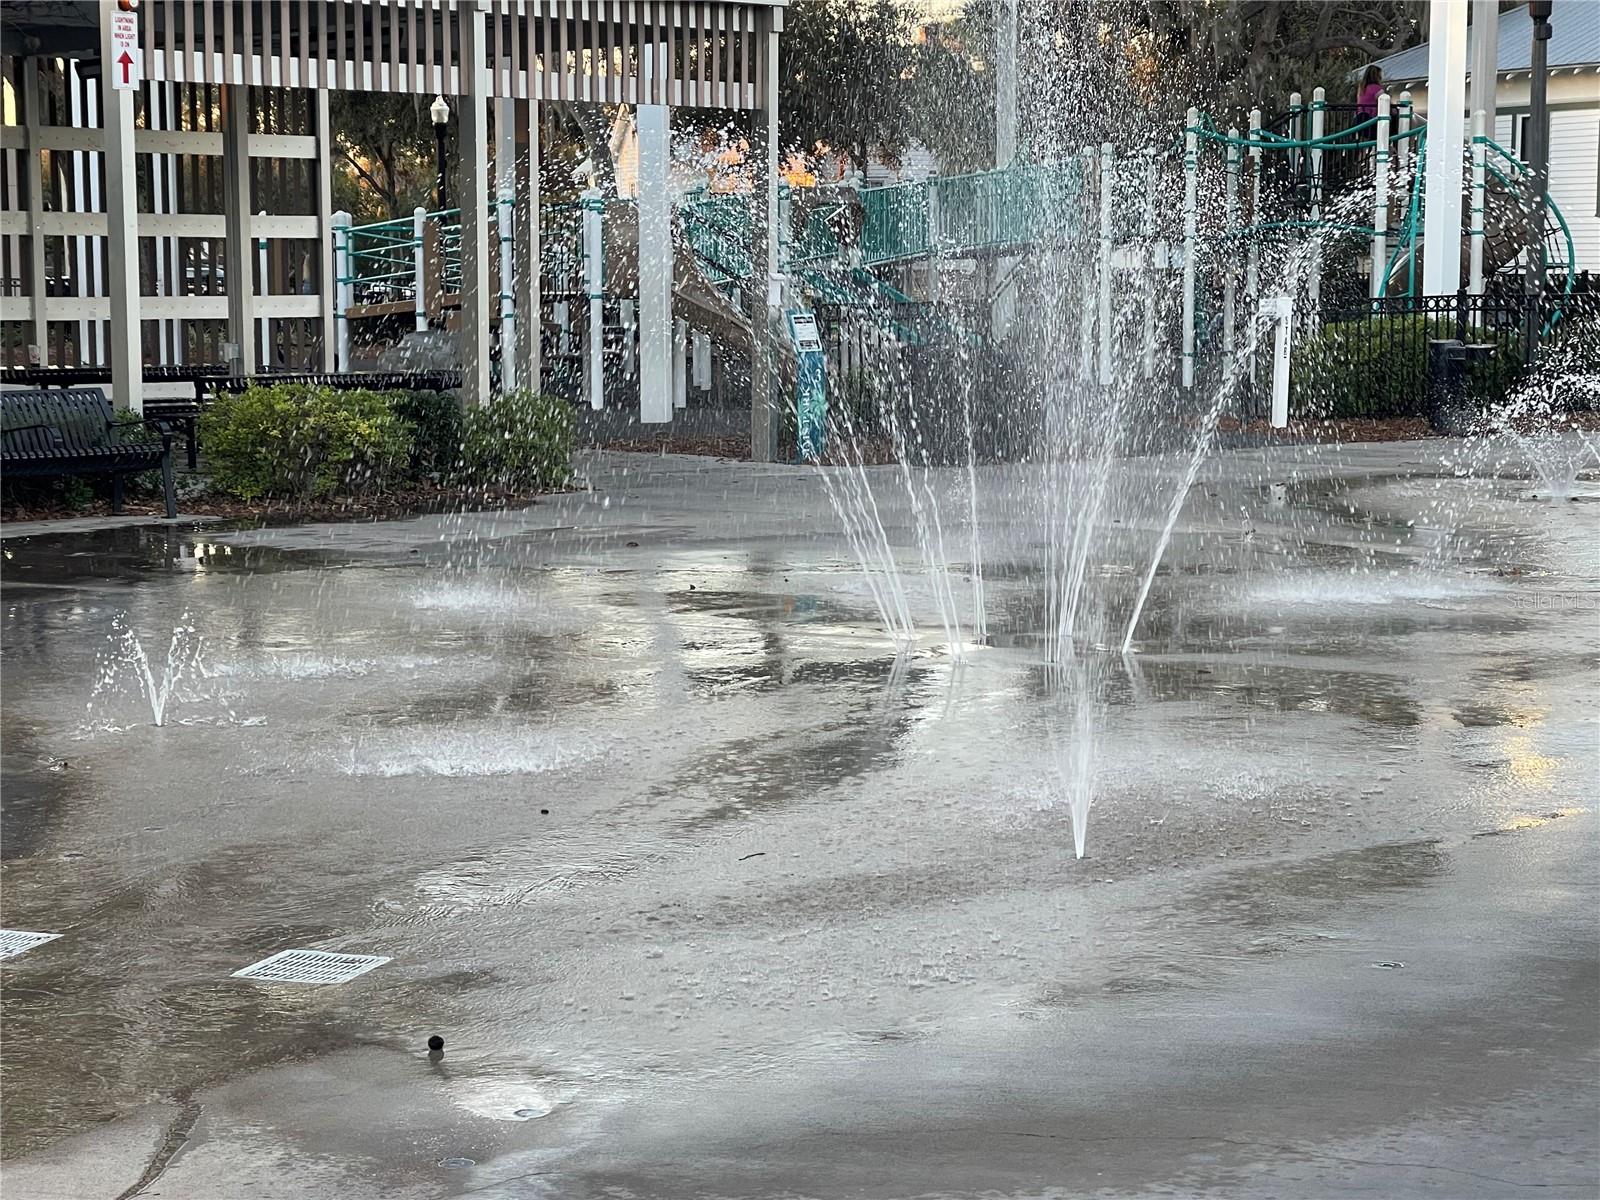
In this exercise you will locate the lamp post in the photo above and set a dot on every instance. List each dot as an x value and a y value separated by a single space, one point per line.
1536 152
439 110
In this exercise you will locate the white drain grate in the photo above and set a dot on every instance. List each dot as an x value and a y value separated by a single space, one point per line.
310 966
19 941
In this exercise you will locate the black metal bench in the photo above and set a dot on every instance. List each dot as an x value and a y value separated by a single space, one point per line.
72 431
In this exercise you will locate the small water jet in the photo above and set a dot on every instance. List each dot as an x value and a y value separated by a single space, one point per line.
126 661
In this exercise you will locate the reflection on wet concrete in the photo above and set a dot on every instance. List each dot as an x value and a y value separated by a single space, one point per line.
639 820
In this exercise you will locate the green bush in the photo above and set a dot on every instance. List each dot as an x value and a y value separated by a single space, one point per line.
1378 367
436 430
295 442
519 441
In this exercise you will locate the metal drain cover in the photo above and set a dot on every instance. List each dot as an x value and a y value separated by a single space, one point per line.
310 966
19 941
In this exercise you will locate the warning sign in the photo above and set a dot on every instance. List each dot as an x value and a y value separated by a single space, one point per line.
125 66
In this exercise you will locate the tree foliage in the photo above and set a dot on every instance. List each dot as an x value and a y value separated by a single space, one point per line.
384 154
843 66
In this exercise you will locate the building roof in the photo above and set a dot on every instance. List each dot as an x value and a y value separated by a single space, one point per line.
1574 42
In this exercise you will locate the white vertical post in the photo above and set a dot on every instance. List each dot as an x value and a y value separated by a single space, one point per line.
1402 141
1086 282
529 302
122 233
239 263
157 116
680 363
1319 119
33 176
1103 305
1231 222
1252 253
327 269
419 267
767 311
630 338
1380 202
80 170
700 356
472 142
1479 184
594 289
263 330
1447 100
505 169
1152 181
1485 59
655 264
343 290
1191 238
1297 131
1005 85
1283 314
98 279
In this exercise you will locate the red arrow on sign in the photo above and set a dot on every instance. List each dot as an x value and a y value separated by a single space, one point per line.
125 62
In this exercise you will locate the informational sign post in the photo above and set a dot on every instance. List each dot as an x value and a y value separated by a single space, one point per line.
811 385
126 66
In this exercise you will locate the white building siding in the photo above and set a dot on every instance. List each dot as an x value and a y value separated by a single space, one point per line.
1575 180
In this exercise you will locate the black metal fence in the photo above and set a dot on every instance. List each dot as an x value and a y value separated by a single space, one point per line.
1371 358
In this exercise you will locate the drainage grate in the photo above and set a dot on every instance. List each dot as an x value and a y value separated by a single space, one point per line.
19 941
310 966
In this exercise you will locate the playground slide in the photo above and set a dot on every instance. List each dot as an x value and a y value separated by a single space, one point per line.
694 299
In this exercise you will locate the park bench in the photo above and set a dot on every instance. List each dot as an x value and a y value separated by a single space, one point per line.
72 431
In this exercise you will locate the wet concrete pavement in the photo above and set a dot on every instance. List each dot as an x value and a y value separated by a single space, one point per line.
711 897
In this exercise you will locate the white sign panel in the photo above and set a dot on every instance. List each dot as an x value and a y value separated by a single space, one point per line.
125 65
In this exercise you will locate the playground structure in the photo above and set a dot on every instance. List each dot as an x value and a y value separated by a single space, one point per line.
223 134
1327 173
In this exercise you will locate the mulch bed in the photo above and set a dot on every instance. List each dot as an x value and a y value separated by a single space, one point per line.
408 502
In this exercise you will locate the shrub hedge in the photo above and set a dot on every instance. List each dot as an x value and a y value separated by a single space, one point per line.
298 443
518 441
1378 367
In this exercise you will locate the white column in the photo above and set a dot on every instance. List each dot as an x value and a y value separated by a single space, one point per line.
530 329
344 290
472 189
239 259
328 264
1283 324
594 287
263 330
1103 300
1152 181
1232 156
680 364
33 178
81 166
1479 185
766 311
122 234
630 338
655 264
159 108
419 268
1319 125
1191 167
505 169
1005 85
1252 253
1380 202
1485 55
1403 122
700 356
1447 101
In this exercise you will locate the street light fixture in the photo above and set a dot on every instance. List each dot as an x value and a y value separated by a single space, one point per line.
439 110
